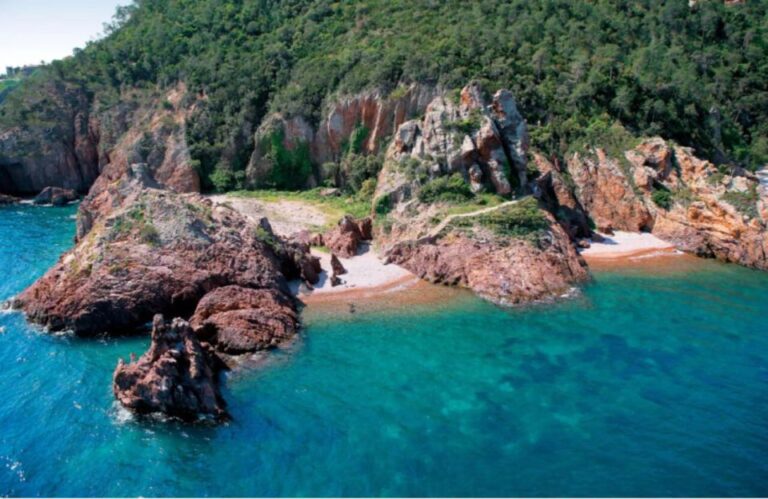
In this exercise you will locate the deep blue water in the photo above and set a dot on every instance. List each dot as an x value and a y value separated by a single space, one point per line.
644 385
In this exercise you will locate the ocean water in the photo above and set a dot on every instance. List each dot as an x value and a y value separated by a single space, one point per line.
644 385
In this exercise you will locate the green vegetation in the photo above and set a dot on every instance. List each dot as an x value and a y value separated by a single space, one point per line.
523 219
745 202
663 198
136 220
451 189
697 75
266 237
468 125
334 207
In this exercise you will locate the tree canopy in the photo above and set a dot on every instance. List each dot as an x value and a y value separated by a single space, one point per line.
695 74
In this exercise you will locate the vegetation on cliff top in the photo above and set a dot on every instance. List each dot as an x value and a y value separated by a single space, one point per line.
697 75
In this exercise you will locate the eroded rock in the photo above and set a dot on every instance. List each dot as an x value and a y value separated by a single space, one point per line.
178 376
56 196
237 320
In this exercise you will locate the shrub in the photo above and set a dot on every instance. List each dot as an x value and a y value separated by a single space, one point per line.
446 189
383 205
662 198
745 202
521 219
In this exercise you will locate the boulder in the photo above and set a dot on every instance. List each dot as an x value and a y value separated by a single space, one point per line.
56 196
336 266
345 238
177 376
237 320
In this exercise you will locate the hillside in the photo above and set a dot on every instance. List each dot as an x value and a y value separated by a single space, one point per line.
696 75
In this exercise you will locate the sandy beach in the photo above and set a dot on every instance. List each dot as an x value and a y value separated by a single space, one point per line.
366 276
628 245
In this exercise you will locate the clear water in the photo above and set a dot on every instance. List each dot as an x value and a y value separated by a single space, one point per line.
645 385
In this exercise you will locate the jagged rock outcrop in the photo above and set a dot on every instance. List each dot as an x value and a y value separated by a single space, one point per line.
177 376
336 266
555 192
376 114
157 140
345 238
666 189
607 193
56 196
486 143
511 253
238 320
159 252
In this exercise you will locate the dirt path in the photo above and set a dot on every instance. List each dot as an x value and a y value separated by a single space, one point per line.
286 216
450 218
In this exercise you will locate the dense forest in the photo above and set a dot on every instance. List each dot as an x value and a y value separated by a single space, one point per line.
695 74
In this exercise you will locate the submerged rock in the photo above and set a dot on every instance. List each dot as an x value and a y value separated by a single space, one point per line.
177 376
6 199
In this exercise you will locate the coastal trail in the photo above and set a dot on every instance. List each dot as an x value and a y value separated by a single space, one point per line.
450 218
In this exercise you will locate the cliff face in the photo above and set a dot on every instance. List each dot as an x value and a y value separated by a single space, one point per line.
80 144
665 189
153 134
371 113
60 150
510 253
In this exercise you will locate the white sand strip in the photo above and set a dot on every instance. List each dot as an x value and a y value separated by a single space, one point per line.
364 271
622 244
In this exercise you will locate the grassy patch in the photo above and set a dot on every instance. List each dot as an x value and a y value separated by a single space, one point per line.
522 220
334 207
745 202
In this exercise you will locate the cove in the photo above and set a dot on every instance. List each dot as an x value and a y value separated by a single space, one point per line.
645 384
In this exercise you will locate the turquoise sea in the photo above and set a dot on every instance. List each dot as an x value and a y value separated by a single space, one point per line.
647 384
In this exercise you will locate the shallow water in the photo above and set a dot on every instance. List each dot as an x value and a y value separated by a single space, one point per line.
645 385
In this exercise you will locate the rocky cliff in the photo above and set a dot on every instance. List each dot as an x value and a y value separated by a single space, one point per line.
665 189
59 149
78 142
373 115
510 253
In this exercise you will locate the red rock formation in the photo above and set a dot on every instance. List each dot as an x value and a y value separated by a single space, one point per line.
559 198
511 272
61 152
484 143
238 320
607 194
167 162
158 253
709 214
177 376
345 238
336 266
